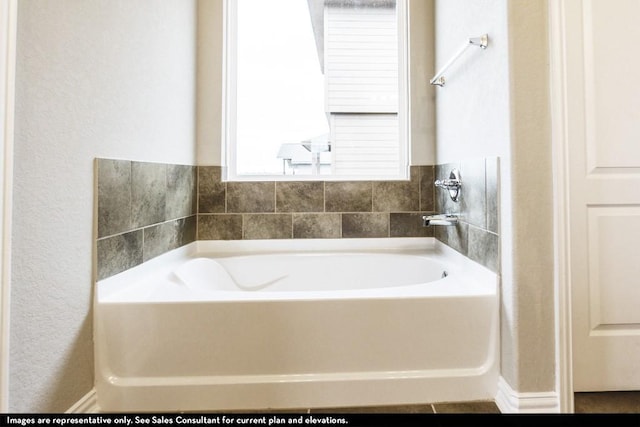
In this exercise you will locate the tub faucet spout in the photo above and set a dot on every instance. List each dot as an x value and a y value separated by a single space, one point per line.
440 219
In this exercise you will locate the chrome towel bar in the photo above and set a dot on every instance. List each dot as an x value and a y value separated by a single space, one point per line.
482 42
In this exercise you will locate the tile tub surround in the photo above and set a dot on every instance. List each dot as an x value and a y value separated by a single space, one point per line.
147 209
313 209
477 233
143 210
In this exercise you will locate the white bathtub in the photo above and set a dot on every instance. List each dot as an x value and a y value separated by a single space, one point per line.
235 325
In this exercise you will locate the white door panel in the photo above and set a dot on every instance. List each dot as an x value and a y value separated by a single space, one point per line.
604 151
614 270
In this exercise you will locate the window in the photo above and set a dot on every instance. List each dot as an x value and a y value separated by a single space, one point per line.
315 89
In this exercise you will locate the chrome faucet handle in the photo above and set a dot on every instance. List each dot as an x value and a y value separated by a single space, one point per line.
453 184
448 183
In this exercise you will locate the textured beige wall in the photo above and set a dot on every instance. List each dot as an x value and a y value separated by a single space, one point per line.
209 72
95 78
495 103
422 57
533 367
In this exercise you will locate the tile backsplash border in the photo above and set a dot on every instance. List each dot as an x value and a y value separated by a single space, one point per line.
142 210
313 209
476 235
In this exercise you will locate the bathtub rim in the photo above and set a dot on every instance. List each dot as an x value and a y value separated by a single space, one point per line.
459 267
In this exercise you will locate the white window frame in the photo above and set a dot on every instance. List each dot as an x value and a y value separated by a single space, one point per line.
229 91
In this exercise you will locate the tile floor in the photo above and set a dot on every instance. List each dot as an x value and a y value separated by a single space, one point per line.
585 403
475 407
627 402
435 408
622 402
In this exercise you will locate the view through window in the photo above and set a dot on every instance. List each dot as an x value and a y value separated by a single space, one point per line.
316 88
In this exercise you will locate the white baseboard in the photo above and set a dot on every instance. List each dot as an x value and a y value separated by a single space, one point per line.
88 404
510 401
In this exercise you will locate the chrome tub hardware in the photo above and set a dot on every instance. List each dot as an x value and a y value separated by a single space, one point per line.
440 219
452 184
482 42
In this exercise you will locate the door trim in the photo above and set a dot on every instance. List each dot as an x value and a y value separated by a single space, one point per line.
558 31
8 22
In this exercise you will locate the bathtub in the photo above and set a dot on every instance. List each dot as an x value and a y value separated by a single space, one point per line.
255 325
